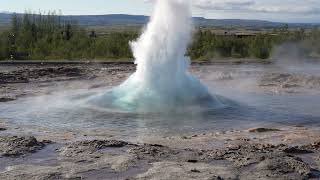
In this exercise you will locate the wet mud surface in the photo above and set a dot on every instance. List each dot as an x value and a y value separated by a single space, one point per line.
114 159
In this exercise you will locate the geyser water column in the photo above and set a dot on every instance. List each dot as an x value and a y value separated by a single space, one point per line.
162 81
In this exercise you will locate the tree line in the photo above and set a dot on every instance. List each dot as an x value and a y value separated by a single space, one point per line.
42 37
208 45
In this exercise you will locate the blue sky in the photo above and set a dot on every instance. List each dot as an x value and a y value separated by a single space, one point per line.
274 10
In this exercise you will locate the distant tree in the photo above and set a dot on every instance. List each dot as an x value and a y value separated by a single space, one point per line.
15 25
67 32
285 28
93 34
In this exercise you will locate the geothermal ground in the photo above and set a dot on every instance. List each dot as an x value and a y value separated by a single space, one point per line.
276 135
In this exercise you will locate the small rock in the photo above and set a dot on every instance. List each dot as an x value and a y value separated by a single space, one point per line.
297 150
243 139
185 137
262 130
7 99
216 178
195 171
47 142
316 145
192 161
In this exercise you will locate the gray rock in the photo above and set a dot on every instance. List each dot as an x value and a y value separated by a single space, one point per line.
297 150
152 151
89 147
16 146
7 99
268 161
284 165
287 81
262 130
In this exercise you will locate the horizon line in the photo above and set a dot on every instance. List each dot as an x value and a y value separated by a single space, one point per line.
282 22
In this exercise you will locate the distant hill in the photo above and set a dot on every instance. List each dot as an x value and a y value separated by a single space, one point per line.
107 20
5 18
200 21
123 19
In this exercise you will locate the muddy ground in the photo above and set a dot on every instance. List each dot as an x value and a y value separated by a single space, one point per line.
257 153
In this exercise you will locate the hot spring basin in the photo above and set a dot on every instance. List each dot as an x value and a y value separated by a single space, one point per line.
67 110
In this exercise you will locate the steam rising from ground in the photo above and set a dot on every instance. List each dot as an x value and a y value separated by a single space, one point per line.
162 80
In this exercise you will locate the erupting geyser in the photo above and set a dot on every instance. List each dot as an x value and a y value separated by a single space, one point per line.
162 81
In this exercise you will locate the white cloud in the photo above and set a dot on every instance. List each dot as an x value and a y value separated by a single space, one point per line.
265 6
274 10
223 4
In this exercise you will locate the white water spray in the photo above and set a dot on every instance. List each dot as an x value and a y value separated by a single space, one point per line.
162 81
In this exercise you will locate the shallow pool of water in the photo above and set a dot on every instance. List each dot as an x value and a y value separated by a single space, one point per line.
252 107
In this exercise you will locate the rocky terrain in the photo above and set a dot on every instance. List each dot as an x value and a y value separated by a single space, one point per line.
16 146
289 83
246 157
36 79
282 152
